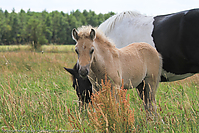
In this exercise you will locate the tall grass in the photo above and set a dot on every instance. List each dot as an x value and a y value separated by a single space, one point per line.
14 48
36 95
45 48
177 110
177 107
35 91
105 114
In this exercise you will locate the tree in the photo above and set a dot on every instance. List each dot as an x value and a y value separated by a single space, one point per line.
64 30
22 27
72 24
43 27
81 19
41 34
92 18
15 35
6 13
2 26
48 32
55 25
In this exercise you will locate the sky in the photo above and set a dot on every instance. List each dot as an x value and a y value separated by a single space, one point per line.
147 7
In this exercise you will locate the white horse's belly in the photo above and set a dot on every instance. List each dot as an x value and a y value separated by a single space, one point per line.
173 77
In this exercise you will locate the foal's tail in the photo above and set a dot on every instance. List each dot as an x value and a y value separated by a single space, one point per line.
160 70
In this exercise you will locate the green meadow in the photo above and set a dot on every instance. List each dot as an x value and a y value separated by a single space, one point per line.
36 94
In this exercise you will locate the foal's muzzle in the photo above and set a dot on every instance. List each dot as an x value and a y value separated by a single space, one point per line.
83 71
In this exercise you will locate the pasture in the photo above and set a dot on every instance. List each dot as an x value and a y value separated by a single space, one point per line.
36 93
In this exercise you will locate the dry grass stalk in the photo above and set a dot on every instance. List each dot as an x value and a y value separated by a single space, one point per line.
106 114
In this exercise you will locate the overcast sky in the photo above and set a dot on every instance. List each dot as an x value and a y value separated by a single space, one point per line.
148 7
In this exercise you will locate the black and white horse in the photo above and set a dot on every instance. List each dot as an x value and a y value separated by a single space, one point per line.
175 36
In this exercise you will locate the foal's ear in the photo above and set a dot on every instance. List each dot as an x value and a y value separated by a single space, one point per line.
92 34
75 35
71 71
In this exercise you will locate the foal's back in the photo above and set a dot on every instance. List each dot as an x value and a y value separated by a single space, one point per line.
139 60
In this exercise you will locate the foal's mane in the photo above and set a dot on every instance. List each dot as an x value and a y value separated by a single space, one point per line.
84 32
109 24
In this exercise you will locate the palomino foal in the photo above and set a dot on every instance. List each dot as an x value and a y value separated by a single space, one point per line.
138 64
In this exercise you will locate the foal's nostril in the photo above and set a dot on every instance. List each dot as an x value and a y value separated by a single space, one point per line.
83 72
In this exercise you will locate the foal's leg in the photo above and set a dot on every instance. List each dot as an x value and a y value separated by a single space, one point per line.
143 91
149 94
140 89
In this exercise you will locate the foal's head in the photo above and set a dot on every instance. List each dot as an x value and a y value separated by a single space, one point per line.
84 49
82 86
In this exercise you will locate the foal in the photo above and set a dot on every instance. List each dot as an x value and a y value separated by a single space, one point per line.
138 64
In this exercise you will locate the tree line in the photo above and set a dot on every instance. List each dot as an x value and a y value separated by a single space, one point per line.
44 27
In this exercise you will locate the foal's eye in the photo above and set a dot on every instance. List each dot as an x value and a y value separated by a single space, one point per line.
92 50
76 51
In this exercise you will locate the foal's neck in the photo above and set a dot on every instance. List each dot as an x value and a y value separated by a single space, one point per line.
105 45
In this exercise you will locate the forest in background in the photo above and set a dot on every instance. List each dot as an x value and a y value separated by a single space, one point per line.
44 27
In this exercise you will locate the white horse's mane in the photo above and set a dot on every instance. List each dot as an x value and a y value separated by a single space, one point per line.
109 24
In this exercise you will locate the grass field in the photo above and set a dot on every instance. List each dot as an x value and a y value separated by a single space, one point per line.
36 93
44 48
